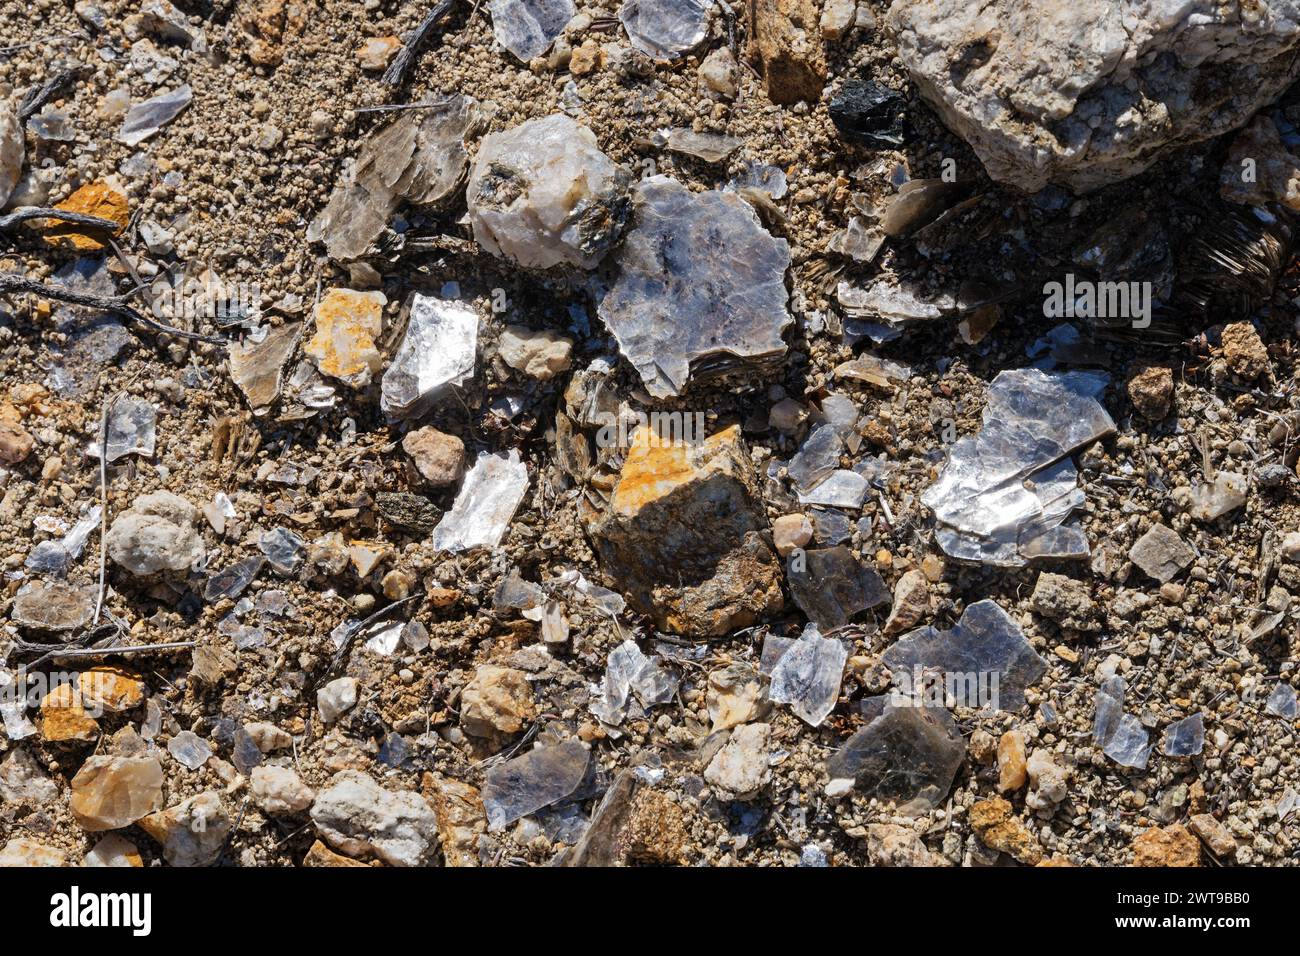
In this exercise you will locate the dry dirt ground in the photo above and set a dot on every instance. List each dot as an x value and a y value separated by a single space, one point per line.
240 174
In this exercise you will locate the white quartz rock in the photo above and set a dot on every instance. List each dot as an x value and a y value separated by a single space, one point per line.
543 194
12 151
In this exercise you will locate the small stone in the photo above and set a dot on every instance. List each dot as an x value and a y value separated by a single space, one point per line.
1291 546
101 199
376 53
1244 352
114 850
267 737
1161 553
1151 390
586 58
741 768
461 818
718 72
193 832
347 324
279 790
257 368
656 833
866 113
790 532
911 603
336 698
439 457
20 851
889 844
64 718
788 416
1217 837
734 696
1066 601
23 781
321 855
999 830
16 443
358 817
12 151
1011 762
156 534
538 354
113 792
838 17
1166 846
115 689
1047 781
785 41
497 700
543 194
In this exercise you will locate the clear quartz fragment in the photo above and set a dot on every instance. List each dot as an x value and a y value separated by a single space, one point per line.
830 585
807 676
700 290
231 581
817 457
132 429
839 489
438 351
527 28
1211 500
1121 736
486 504
665 29
1281 702
283 549
984 644
709 147
1004 492
56 557
189 749
630 672
1185 738
145 119
902 754
532 781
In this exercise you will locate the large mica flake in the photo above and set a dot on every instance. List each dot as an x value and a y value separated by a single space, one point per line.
684 536
527 28
418 158
1005 493
903 754
1084 94
438 351
543 194
665 29
485 505
985 655
700 291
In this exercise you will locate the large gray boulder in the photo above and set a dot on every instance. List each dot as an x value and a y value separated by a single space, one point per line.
1087 92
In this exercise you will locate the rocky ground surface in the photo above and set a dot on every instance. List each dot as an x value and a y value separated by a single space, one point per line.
398 600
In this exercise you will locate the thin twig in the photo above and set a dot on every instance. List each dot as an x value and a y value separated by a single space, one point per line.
390 107
109 651
395 75
103 501
48 212
114 304
37 98
352 635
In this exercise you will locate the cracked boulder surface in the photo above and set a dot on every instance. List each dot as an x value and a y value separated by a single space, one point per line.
1083 94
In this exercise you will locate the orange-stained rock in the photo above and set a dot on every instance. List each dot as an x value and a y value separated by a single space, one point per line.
347 324
101 199
686 537
999 830
1173 845
114 689
321 855
64 718
113 792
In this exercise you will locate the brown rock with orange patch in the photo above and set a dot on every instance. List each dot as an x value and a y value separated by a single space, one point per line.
101 199
685 538
1173 845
